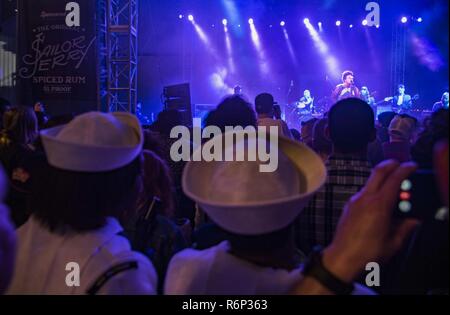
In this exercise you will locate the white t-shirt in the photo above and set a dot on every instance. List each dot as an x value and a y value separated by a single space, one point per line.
217 272
42 258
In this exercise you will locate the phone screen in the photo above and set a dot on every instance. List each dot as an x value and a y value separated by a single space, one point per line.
419 198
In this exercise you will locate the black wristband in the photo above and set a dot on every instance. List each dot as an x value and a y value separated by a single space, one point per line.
314 268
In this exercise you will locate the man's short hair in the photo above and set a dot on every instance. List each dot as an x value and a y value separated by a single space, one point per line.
401 86
346 74
351 124
264 103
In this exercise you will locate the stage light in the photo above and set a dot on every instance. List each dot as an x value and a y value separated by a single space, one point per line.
250 21
364 22
338 23
225 22
180 16
191 17
306 21
282 23
351 26
377 26
404 19
419 20
319 24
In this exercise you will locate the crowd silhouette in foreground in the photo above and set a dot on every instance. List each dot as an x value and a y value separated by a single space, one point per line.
101 191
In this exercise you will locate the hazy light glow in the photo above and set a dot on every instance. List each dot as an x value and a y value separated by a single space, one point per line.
230 58
290 47
191 17
251 21
306 21
263 63
364 22
225 22
180 16
404 19
351 25
282 23
420 20
324 51
338 23
205 40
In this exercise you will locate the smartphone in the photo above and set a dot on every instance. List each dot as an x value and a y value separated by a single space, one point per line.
419 198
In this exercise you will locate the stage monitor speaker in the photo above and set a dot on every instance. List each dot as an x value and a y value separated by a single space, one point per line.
178 97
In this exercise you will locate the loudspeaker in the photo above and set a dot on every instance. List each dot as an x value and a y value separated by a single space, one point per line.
178 97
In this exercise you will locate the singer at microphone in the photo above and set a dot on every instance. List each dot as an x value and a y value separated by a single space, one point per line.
347 89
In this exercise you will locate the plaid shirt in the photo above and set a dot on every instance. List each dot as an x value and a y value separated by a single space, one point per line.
317 222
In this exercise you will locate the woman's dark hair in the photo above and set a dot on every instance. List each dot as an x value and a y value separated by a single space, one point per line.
19 126
166 121
233 111
82 201
156 182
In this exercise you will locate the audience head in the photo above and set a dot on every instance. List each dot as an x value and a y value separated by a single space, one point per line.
19 126
4 106
233 111
156 182
246 202
402 128
59 120
320 143
307 131
92 172
351 126
435 130
7 238
167 120
264 104
384 119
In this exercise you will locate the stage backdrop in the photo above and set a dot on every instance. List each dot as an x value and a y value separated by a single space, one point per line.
57 64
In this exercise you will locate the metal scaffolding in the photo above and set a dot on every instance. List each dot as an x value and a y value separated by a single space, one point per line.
121 55
398 56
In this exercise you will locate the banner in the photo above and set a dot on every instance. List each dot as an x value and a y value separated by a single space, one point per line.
57 55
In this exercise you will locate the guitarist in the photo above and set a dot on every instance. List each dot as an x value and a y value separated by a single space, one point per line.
402 102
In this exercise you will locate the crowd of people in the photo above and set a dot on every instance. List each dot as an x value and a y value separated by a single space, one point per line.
101 195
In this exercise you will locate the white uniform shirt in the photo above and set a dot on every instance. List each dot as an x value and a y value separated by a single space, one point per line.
42 258
216 272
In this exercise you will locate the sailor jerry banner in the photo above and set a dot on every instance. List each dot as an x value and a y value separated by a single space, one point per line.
57 54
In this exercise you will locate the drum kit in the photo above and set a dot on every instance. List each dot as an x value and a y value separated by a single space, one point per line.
298 112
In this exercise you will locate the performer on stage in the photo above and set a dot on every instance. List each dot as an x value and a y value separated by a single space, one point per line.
238 90
347 89
442 104
307 101
402 102
365 96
